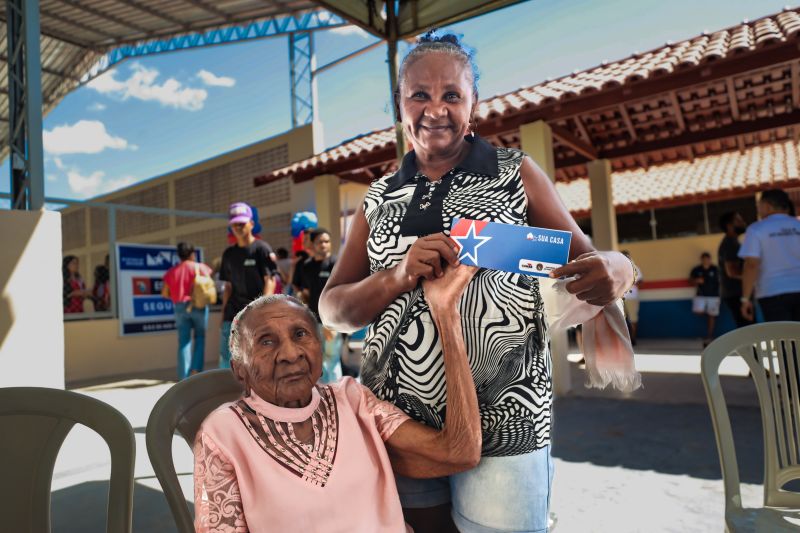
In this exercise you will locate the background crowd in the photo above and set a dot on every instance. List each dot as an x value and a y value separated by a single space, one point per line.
759 263
770 246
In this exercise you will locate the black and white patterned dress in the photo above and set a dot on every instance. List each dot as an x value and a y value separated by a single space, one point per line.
502 313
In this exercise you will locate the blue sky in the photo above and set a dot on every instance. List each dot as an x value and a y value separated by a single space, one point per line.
157 114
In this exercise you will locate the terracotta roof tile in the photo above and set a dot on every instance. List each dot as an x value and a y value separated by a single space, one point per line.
789 21
660 62
759 167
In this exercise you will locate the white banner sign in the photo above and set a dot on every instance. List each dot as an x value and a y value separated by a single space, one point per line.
140 273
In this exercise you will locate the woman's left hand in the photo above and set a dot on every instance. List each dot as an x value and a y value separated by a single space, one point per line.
601 277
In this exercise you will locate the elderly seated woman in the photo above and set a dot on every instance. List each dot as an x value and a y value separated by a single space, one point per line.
294 455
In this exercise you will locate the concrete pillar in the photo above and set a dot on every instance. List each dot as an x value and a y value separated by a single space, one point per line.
87 267
604 219
326 195
31 309
351 196
87 228
536 140
173 223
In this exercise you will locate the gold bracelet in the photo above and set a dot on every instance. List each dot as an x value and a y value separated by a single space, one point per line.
635 272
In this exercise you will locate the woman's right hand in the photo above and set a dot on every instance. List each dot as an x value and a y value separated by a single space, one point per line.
424 260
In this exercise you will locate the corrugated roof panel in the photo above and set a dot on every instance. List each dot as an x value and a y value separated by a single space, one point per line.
76 33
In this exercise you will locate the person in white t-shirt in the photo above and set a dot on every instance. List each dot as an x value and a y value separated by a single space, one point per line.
631 302
771 253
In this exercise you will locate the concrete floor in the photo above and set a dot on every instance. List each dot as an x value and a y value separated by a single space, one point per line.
624 463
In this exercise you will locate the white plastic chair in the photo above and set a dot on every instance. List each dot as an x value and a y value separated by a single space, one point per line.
182 410
34 422
772 351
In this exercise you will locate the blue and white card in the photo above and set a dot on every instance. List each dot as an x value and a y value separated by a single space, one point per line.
517 249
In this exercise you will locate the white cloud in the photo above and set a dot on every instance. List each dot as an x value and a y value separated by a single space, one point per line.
212 80
142 86
83 137
106 83
52 177
95 183
350 29
97 106
59 163
119 183
85 185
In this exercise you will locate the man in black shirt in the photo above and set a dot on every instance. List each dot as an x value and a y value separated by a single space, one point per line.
730 265
310 277
247 269
706 277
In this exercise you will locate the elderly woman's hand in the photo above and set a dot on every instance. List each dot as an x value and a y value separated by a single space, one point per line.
600 277
443 293
424 260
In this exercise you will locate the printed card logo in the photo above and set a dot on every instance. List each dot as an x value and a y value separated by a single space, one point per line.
469 243
538 267
529 236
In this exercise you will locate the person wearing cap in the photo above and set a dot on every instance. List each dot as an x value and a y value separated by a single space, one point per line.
248 270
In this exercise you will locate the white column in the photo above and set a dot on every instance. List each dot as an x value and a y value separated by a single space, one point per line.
31 309
329 211
536 140
604 219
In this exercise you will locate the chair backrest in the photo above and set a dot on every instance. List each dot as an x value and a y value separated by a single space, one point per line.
772 352
181 410
34 423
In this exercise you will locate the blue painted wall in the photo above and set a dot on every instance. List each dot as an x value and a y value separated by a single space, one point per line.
674 319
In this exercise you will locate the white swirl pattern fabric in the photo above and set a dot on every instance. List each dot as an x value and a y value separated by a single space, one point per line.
502 314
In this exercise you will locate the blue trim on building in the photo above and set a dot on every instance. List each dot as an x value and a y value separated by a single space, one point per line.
674 318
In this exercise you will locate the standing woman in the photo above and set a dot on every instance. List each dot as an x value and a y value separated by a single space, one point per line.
400 237
101 293
74 289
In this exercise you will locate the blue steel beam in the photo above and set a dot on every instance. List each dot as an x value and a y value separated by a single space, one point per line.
301 67
25 105
272 27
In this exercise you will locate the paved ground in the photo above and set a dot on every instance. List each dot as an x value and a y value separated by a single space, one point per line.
624 463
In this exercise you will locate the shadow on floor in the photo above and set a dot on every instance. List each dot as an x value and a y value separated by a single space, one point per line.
82 508
670 388
136 380
671 439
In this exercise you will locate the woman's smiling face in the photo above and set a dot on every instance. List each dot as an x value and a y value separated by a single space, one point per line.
436 102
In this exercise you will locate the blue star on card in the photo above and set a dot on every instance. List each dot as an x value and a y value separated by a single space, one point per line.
469 244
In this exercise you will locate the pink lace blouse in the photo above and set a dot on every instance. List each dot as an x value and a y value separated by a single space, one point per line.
252 474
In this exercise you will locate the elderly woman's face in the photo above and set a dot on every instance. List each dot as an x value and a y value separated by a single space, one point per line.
436 102
285 358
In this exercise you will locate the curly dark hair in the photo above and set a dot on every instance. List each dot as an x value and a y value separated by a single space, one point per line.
435 41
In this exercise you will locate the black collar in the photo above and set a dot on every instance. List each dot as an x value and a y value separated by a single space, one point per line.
481 159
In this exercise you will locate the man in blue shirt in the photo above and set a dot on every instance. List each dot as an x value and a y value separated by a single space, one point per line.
705 277
771 253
